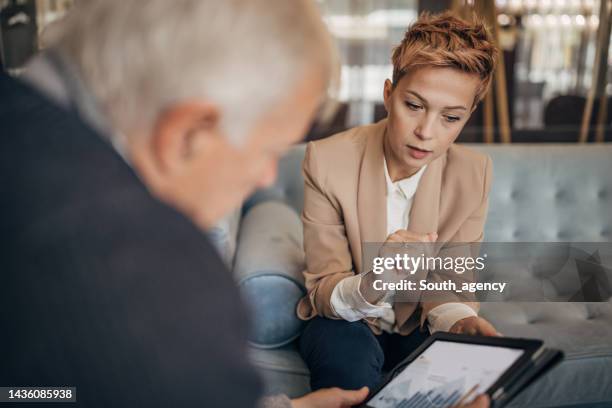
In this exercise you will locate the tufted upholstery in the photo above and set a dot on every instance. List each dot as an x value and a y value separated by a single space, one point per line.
540 193
550 193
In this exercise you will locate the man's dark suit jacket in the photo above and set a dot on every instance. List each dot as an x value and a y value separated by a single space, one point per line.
103 287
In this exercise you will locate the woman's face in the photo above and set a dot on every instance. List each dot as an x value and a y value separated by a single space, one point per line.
426 111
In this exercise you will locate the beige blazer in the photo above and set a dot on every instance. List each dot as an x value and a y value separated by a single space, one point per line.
345 206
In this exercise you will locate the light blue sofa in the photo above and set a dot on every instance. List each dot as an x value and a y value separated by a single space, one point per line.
540 192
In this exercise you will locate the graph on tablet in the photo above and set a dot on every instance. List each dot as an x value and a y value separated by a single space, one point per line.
444 373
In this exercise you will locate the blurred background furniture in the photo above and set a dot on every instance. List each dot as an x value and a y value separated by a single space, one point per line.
550 49
18 33
543 192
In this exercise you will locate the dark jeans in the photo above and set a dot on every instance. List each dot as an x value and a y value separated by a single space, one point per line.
348 355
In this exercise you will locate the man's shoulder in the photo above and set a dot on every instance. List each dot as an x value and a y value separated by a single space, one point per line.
71 201
61 179
25 114
17 96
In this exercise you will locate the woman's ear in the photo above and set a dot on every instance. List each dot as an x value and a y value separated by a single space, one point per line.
180 132
387 91
474 108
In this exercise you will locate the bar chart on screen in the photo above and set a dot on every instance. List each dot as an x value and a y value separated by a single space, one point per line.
445 374
440 397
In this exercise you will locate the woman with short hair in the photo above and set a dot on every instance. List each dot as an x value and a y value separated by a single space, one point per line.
401 180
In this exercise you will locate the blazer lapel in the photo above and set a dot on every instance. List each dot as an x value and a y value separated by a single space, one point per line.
424 214
372 192
424 218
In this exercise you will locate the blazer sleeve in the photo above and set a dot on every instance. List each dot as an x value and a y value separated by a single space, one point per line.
471 232
326 246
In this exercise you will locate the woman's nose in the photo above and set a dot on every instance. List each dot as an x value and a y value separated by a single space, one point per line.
424 129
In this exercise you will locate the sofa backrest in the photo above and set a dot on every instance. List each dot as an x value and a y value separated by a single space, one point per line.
540 192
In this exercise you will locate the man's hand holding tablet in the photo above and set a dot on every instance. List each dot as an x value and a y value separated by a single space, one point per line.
338 398
482 401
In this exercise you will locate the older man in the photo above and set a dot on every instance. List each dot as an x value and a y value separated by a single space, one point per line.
143 122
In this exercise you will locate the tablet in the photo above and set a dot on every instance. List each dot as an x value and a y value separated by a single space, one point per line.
449 369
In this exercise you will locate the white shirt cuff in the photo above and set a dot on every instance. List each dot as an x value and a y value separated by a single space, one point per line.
349 304
442 317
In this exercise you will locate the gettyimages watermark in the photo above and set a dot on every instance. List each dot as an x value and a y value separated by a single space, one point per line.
489 272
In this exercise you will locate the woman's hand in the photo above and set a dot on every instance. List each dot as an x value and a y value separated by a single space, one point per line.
409 236
474 326
390 246
388 250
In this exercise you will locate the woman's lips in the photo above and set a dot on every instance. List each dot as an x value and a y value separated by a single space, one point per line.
417 153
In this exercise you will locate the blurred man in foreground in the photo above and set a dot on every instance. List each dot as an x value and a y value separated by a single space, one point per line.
143 122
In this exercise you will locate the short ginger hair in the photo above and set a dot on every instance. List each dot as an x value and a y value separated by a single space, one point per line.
445 40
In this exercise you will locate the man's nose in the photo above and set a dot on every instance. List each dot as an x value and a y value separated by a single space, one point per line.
269 175
424 129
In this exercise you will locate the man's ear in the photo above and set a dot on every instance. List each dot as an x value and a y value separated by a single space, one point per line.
181 131
387 91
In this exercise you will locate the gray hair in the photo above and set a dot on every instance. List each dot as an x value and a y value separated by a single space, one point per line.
139 57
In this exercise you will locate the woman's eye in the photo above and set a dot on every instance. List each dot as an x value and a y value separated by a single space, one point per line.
413 106
450 118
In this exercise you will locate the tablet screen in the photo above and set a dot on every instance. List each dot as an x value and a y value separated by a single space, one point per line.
444 373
